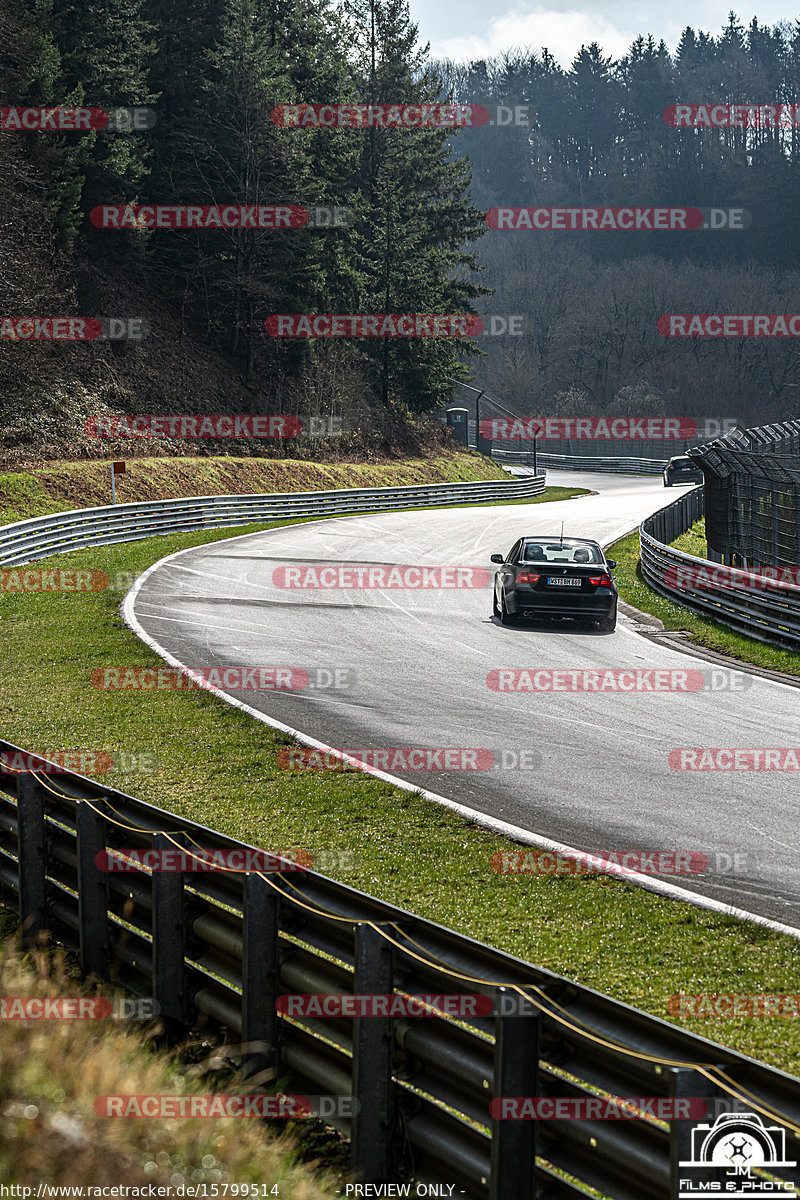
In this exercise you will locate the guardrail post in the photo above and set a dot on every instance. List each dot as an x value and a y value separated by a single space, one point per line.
516 1073
32 839
169 937
92 888
686 1082
260 967
372 1088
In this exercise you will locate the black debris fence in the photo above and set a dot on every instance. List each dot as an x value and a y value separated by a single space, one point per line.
750 602
670 522
218 948
752 496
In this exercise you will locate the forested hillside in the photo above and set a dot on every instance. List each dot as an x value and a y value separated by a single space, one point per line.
212 72
413 236
591 299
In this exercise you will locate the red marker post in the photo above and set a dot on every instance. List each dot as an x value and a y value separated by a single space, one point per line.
117 468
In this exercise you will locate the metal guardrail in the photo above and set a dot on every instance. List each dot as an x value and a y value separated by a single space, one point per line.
220 947
586 462
618 466
38 537
743 600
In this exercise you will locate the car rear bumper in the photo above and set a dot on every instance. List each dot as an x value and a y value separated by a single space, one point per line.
546 604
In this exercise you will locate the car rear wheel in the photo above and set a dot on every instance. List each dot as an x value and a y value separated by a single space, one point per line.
506 618
608 624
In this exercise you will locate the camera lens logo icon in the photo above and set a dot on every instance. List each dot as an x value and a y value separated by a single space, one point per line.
738 1140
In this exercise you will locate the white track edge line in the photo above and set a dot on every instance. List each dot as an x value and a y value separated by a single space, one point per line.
670 891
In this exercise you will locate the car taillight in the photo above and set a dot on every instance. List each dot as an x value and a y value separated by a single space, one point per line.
526 577
600 580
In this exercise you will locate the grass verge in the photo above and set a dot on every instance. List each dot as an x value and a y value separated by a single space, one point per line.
55 1070
216 765
64 485
704 631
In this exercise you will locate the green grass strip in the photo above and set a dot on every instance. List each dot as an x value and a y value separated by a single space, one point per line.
218 766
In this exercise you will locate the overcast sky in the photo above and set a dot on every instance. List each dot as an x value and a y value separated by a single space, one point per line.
467 29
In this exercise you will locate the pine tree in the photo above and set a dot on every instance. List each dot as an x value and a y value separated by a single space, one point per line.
415 221
105 55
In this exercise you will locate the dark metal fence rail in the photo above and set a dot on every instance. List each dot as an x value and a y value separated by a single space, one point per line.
38 537
751 502
765 611
217 948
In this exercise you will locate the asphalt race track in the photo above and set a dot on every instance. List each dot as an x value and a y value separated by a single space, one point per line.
415 668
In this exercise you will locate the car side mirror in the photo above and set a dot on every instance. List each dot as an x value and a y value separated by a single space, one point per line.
611 562
498 558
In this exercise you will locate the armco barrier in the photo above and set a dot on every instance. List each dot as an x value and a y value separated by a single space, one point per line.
617 466
220 947
585 462
770 613
38 537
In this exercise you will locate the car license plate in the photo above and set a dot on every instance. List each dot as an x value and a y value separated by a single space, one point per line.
563 581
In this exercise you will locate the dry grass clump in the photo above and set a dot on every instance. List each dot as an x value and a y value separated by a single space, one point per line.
51 1073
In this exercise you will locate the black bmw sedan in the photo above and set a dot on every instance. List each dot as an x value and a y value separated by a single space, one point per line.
555 577
681 469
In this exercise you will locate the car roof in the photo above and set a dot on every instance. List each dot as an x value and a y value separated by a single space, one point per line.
556 537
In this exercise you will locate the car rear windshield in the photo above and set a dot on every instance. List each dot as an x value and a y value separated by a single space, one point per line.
683 462
555 552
